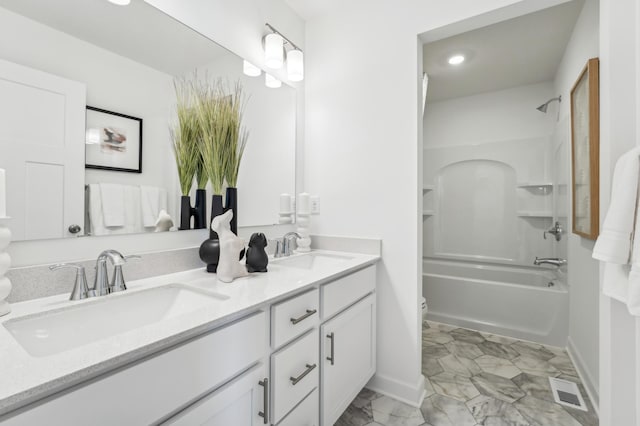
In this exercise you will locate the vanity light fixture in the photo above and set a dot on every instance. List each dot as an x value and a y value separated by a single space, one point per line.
456 60
274 50
275 54
271 82
120 2
251 70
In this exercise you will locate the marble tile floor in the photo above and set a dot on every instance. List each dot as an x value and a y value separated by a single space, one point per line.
474 379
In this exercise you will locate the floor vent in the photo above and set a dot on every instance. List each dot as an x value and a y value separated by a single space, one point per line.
567 393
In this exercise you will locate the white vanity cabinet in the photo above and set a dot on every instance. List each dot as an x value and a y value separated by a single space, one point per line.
241 402
348 347
297 362
151 390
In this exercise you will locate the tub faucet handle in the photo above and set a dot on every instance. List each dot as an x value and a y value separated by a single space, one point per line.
556 230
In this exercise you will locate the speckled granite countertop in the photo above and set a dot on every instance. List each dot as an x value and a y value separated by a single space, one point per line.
25 378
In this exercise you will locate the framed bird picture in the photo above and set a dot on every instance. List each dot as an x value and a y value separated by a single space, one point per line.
113 141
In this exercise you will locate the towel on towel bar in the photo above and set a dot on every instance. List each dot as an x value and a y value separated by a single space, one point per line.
619 242
153 200
112 197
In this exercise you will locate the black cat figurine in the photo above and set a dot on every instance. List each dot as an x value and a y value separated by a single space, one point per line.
257 258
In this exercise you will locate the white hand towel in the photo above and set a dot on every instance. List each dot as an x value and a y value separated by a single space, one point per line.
151 201
619 242
112 204
96 221
614 242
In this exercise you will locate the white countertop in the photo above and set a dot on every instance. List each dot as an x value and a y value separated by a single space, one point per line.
24 378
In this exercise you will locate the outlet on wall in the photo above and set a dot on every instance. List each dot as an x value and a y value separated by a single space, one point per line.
315 204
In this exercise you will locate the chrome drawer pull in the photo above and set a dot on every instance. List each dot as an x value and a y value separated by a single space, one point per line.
309 369
265 400
304 317
331 358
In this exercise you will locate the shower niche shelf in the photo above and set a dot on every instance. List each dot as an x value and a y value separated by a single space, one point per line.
427 188
535 185
527 213
426 213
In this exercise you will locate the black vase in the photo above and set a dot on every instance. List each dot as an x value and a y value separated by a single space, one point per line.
210 249
200 210
185 213
210 254
216 210
231 203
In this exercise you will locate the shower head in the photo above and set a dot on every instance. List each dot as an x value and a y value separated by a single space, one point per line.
544 106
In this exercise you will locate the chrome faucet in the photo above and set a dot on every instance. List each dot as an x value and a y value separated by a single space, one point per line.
101 285
556 261
283 246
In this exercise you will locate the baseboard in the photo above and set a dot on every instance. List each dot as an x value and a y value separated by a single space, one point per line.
400 391
585 375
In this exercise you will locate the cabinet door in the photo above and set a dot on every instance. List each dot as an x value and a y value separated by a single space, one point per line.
238 403
347 357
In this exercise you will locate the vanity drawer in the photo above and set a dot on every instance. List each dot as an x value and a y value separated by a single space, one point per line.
293 317
150 390
345 291
305 414
294 373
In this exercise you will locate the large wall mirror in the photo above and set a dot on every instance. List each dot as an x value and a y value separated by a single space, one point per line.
60 57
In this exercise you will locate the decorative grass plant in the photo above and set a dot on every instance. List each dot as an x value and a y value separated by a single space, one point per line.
186 135
213 128
237 134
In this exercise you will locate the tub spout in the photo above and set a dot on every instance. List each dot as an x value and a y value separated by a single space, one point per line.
556 261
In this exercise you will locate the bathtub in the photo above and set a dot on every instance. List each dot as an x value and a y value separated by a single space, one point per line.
524 303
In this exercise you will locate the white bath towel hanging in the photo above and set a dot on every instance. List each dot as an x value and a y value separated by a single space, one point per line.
619 242
112 195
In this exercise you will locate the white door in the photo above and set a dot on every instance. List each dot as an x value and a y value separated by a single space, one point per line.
239 403
42 151
347 356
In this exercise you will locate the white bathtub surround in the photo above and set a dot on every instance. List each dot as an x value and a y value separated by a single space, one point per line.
229 267
512 301
5 260
42 376
304 223
619 244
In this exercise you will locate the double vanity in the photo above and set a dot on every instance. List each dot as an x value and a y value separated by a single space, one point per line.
290 347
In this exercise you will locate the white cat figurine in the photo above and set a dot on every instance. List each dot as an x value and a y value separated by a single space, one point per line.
229 267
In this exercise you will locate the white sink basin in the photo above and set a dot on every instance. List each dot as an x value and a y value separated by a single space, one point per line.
57 331
313 260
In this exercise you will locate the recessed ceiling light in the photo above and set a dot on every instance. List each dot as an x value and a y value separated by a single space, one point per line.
456 59
120 2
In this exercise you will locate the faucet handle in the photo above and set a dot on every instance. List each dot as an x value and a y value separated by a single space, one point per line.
80 288
117 282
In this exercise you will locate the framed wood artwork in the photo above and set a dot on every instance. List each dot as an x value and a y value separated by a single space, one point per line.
113 141
585 151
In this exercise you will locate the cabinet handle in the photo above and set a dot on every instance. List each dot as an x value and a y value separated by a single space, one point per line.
304 317
265 400
332 357
309 369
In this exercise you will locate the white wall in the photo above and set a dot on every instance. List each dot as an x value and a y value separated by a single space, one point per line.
238 26
619 104
582 269
364 150
502 115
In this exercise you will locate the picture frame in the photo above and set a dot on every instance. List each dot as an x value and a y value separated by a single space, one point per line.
585 151
113 141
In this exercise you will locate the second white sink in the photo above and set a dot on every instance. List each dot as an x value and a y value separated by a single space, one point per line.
57 331
313 260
